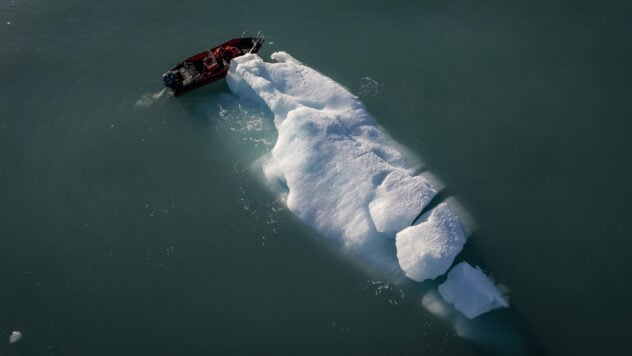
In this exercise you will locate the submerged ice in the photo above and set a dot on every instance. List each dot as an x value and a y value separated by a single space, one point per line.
340 174
471 291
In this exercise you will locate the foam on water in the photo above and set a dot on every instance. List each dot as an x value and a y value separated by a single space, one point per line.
146 100
368 87
338 172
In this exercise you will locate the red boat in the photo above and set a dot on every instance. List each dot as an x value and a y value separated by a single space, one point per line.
209 66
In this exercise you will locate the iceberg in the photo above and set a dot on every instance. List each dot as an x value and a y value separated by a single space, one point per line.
340 174
15 337
471 291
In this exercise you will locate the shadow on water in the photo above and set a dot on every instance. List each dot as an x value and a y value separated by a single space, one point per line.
440 197
502 331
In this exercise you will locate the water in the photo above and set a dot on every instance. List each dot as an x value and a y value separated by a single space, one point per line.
139 225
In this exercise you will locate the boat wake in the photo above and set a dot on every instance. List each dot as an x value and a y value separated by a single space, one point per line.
146 100
339 173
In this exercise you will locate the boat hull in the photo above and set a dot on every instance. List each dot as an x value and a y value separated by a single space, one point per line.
207 67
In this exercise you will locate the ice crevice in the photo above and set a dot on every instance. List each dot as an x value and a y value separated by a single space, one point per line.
348 180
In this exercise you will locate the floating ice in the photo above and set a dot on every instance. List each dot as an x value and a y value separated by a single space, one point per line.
344 177
471 291
426 250
339 173
15 337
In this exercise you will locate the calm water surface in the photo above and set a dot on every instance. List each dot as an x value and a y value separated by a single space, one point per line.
134 224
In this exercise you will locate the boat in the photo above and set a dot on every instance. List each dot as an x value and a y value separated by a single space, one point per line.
209 66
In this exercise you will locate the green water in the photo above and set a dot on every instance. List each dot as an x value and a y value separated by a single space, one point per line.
144 229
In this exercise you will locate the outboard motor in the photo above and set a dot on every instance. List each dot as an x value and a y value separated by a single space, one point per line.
170 79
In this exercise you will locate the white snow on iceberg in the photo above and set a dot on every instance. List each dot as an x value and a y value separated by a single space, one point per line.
426 250
397 201
471 291
339 173
342 175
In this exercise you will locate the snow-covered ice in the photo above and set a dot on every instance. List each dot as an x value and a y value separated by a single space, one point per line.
398 200
426 250
339 173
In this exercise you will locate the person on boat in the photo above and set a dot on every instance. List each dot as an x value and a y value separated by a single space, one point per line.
219 54
225 54
231 52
